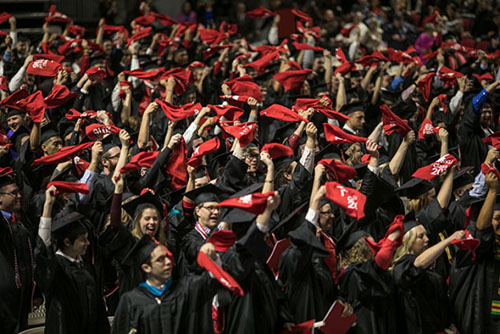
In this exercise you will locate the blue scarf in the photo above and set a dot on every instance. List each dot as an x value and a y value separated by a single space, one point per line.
155 291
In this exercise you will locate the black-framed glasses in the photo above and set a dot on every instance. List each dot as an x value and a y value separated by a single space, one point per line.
12 193
113 157
327 213
211 208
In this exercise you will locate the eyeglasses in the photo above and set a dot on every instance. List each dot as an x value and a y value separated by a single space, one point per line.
252 157
497 218
211 208
14 193
327 213
113 157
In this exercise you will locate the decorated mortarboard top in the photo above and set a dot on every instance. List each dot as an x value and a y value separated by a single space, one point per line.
207 193
414 188
68 224
144 201
140 252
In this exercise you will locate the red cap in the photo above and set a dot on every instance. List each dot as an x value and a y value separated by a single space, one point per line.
245 86
69 187
436 168
276 150
34 105
222 276
282 113
244 132
260 12
66 153
254 203
44 68
393 123
222 240
142 159
292 79
177 167
95 130
335 135
351 201
177 113
205 148
340 171
58 96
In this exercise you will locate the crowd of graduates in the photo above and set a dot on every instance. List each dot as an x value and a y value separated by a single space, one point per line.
314 167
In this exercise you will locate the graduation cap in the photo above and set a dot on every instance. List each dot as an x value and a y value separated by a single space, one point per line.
320 88
349 239
15 112
217 162
350 108
175 196
68 224
6 177
361 170
463 177
207 193
330 151
98 60
410 221
109 142
141 252
49 131
65 128
415 187
145 201
389 95
294 217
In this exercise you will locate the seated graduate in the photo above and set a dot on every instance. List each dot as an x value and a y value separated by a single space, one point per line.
73 300
422 292
161 304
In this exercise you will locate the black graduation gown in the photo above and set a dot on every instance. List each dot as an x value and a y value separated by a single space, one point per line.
16 302
263 308
191 244
370 291
175 312
306 280
470 135
422 298
232 179
73 300
472 285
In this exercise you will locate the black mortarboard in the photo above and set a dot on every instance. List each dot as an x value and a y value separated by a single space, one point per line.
352 107
68 224
109 142
284 132
361 170
145 201
207 193
414 188
237 216
389 95
65 128
463 177
410 221
330 151
175 196
98 60
14 112
349 239
140 252
302 236
49 131
320 88
6 180
217 162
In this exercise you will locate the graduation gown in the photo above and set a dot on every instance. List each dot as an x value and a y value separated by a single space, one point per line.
474 284
306 280
370 291
263 308
15 243
73 300
470 135
422 299
174 312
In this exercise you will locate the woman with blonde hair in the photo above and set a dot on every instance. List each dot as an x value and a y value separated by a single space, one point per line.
422 292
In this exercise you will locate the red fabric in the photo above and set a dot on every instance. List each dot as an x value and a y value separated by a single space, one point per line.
348 199
177 166
468 243
76 30
305 103
55 16
292 79
144 20
344 68
239 98
260 12
399 56
294 65
124 83
177 113
66 153
96 74
260 64
69 187
486 76
393 123
425 86
314 31
427 129
335 135
448 76
222 276
222 240
340 171
11 100
3 83
375 57
436 168
282 113
385 248
80 165
442 98
254 203
487 168
75 114
5 171
302 328
302 16
208 52
4 17
142 159
53 57
245 86
205 148
145 75
108 28
230 112
244 132
164 19
164 43
183 79
347 31
211 36
44 68
139 35
493 140
305 46
331 260
58 96
276 150
95 130
4 139
34 105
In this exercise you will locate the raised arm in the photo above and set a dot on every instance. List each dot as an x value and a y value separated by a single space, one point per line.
446 190
486 214
398 159
143 138
427 258
269 181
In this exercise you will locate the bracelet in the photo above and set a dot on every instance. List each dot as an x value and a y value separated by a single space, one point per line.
268 180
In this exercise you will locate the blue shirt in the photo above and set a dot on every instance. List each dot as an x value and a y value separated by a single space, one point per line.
479 99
